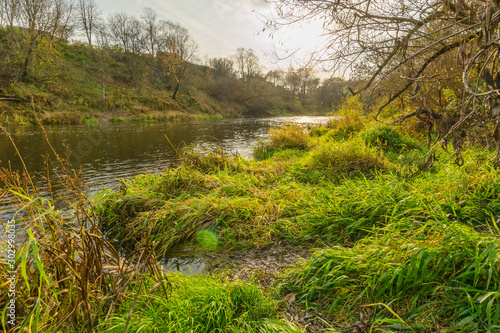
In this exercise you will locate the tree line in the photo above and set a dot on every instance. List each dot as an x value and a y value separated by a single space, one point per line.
142 56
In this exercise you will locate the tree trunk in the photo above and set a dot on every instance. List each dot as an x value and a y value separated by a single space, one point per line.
24 75
103 92
178 84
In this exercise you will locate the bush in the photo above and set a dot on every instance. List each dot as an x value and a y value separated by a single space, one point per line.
347 158
387 138
343 128
288 137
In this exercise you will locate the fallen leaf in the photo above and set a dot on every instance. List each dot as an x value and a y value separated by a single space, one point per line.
290 298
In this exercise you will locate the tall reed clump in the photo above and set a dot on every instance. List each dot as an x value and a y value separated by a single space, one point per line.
291 136
209 159
347 159
347 122
388 139
69 277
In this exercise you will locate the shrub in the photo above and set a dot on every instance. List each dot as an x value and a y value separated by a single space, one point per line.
347 158
387 138
351 107
291 136
288 137
343 128
209 160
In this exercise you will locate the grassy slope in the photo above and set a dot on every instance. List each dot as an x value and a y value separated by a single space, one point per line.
418 252
69 89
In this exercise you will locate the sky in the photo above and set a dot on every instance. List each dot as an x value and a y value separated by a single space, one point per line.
221 26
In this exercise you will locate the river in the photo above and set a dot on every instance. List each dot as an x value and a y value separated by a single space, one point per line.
111 151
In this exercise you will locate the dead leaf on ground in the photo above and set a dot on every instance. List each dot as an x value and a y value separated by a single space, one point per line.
290 298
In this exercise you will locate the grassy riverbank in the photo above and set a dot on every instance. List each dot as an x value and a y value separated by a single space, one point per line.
399 249
394 238
81 84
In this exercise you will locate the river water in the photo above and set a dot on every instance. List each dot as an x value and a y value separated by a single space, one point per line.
111 151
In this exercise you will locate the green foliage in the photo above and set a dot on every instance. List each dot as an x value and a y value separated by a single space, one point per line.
414 250
90 121
429 272
202 304
351 107
343 128
287 137
388 138
207 239
347 158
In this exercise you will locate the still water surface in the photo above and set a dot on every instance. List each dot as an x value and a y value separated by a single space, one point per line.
109 152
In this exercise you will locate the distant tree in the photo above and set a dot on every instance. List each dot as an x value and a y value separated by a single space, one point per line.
152 30
178 48
292 82
35 28
127 32
306 81
103 42
89 17
222 66
247 64
276 77
437 59
332 91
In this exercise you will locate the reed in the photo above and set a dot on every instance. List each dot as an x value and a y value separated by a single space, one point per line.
70 278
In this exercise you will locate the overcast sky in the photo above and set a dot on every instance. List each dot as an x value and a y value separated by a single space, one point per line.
221 26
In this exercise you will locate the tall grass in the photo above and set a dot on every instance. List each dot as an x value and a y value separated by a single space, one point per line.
431 273
291 136
203 304
417 252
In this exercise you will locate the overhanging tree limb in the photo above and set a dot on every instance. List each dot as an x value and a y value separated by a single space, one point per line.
411 80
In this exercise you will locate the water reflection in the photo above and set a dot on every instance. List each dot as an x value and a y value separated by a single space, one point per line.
186 265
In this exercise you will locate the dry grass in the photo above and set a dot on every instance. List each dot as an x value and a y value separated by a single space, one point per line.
70 278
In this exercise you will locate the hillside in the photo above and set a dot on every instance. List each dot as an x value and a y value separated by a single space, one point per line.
83 82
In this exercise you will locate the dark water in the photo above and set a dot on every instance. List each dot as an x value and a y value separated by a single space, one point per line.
110 151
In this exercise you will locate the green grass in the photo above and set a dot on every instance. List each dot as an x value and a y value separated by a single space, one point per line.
90 121
426 273
201 304
412 252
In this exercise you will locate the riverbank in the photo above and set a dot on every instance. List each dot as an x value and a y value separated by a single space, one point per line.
347 227
55 117
84 83
400 247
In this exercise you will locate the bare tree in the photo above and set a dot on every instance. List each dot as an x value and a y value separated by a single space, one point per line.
178 48
428 46
127 32
39 20
222 66
89 18
276 77
152 29
247 64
